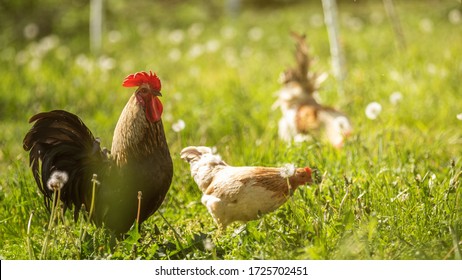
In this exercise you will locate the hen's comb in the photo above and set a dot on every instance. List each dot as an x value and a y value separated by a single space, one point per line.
135 80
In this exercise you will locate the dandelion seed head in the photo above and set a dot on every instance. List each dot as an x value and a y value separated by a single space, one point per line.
195 51
228 32
208 244
212 45
288 170
459 117
178 126
57 180
106 63
316 20
373 110
114 36
174 54
176 36
195 30
396 97
455 16
426 25
31 31
255 34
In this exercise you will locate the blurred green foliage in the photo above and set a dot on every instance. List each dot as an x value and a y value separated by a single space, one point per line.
393 192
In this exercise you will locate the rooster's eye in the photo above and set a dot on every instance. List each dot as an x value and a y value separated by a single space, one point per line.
144 90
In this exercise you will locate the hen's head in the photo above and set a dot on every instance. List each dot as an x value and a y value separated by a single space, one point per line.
147 93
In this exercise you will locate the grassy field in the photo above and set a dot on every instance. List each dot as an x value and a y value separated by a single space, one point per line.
393 192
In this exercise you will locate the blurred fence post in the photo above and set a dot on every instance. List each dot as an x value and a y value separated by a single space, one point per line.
233 7
393 16
96 25
338 60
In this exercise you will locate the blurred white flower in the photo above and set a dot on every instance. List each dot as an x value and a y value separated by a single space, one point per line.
84 62
255 33
178 126
212 45
459 117
48 43
426 25
342 125
21 58
431 68
208 244
376 17
229 55
31 31
455 16
114 36
228 32
57 180
316 20
62 53
373 110
195 51
106 63
396 76
195 30
300 138
354 23
176 36
288 170
174 54
396 97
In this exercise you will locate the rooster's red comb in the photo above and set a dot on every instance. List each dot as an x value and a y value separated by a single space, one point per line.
135 80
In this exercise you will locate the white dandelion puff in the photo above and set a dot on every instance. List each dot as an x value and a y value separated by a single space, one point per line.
31 31
212 45
228 32
114 36
178 126
195 30
106 63
176 36
57 180
208 244
342 124
396 97
174 54
426 25
373 110
459 117
455 16
255 34
288 170
316 20
195 51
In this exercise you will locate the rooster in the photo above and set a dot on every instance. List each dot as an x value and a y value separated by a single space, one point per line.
64 152
302 115
241 193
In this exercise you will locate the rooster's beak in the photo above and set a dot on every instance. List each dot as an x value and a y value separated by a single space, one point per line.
156 93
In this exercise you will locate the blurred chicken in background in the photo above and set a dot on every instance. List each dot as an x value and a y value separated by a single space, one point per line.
302 115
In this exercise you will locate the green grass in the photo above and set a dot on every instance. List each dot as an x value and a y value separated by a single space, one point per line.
393 192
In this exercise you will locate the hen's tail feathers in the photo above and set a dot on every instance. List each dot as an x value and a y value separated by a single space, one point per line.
202 154
302 73
193 153
60 142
